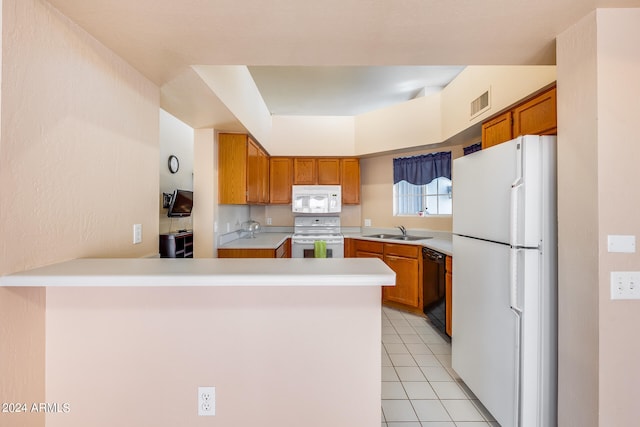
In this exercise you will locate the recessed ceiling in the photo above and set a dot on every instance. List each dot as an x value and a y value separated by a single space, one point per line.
345 91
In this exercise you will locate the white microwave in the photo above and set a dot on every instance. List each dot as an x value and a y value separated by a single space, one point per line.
316 199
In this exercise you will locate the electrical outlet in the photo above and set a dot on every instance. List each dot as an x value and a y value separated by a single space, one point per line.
137 233
625 285
206 401
367 222
269 221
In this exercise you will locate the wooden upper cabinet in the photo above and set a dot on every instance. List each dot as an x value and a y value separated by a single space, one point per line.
304 171
253 173
243 170
534 116
280 175
232 169
497 130
257 174
350 172
264 177
328 171
537 116
287 171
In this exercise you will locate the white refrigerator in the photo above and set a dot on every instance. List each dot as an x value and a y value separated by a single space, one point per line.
504 309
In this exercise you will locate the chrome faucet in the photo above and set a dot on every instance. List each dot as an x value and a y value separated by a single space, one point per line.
404 230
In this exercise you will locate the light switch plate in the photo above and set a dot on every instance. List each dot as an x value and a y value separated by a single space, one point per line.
621 243
137 233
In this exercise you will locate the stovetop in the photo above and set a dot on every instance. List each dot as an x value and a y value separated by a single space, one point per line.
317 227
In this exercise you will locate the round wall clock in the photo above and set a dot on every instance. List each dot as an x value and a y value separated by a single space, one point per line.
174 164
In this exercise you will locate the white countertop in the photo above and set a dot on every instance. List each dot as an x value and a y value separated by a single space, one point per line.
440 241
261 241
208 272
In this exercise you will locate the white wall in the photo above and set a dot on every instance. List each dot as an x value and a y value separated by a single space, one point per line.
598 93
278 355
205 188
235 87
409 124
78 167
176 138
312 136
79 160
618 32
578 225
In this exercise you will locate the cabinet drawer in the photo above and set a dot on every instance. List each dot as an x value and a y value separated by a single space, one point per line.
409 251
245 253
368 246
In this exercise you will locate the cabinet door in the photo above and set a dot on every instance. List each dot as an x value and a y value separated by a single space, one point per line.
407 289
537 116
304 171
497 130
448 292
364 254
254 190
284 250
280 174
264 177
350 181
232 168
328 171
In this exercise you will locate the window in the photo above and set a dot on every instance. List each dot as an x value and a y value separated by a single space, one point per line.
422 184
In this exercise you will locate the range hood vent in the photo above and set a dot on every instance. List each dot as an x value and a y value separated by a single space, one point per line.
480 104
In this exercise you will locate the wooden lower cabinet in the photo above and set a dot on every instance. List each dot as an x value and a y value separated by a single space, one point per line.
448 281
282 251
405 260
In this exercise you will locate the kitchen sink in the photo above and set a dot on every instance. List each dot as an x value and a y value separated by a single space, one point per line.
410 237
398 237
385 236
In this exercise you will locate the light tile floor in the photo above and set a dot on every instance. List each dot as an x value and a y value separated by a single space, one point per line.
419 388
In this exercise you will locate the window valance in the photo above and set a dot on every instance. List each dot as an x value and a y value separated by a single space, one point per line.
421 170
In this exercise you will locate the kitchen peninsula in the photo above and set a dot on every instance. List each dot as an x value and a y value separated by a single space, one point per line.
157 329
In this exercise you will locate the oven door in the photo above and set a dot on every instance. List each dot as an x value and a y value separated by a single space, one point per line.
305 248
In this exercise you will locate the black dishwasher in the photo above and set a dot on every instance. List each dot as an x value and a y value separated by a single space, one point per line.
433 287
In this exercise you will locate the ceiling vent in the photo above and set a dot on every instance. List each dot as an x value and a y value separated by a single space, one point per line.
481 104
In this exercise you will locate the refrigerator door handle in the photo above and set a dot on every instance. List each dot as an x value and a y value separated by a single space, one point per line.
513 280
514 211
